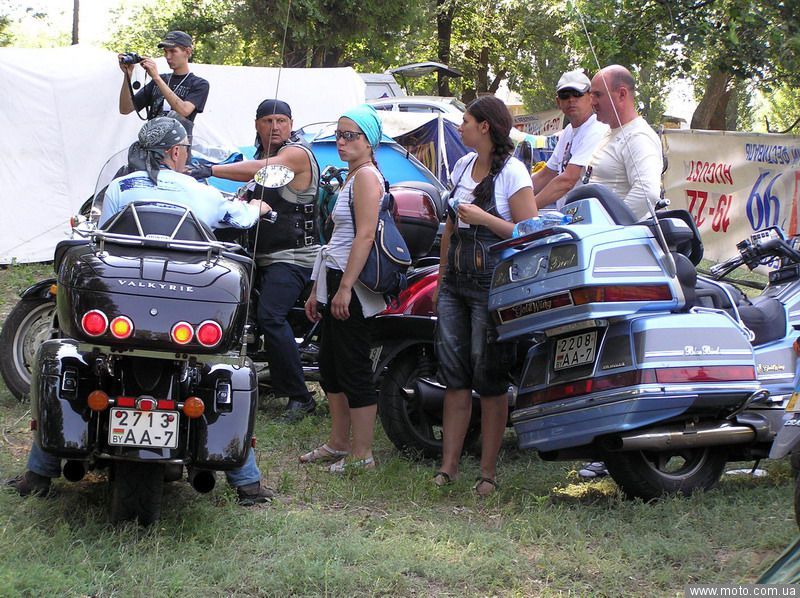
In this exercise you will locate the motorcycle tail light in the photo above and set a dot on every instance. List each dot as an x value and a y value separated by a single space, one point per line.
97 400
613 294
713 373
125 402
209 333
193 407
121 327
146 404
586 386
94 322
182 333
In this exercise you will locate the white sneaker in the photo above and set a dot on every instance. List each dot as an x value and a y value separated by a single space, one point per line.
595 469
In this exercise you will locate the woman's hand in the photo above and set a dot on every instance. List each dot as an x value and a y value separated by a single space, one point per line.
340 306
311 305
472 214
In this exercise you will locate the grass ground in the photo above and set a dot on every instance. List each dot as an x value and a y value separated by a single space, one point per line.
388 532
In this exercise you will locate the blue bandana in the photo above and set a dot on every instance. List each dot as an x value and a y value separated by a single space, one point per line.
367 119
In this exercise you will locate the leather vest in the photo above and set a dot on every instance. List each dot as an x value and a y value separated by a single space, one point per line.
296 225
469 253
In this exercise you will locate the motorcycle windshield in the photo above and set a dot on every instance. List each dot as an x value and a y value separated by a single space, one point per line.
117 165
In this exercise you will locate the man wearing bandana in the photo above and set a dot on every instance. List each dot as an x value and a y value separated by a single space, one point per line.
157 159
286 250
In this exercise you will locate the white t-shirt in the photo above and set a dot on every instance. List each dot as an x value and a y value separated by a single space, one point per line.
513 177
629 161
576 146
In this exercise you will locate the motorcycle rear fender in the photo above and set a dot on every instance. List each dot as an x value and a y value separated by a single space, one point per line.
392 334
62 425
788 438
41 290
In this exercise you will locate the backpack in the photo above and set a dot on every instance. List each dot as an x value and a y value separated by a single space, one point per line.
385 269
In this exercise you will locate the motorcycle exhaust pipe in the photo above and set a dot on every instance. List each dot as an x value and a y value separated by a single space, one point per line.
694 436
202 480
74 470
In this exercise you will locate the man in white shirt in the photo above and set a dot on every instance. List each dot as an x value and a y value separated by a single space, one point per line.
575 145
629 158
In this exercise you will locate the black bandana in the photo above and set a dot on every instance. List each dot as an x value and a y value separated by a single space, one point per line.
155 137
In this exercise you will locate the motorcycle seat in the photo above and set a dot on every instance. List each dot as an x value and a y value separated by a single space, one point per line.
612 203
159 219
766 317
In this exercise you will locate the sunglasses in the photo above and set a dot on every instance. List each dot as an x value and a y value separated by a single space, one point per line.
566 94
347 135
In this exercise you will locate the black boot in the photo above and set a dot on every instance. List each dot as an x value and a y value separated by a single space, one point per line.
253 494
30 484
297 408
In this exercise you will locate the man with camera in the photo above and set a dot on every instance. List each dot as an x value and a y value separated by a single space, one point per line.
180 91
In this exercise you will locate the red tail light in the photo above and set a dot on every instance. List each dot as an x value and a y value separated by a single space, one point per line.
613 294
121 327
94 323
182 333
209 333
713 373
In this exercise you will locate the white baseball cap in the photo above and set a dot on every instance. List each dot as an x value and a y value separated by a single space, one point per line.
574 80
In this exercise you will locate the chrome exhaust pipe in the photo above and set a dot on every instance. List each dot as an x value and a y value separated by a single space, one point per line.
74 470
202 480
689 436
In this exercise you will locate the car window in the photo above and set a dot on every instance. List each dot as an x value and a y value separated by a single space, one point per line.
418 108
382 106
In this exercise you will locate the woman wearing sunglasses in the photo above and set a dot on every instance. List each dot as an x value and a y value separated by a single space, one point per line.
344 363
491 191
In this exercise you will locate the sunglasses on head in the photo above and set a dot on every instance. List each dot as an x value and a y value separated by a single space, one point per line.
565 94
347 135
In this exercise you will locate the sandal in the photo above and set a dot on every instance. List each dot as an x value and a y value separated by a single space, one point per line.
495 486
442 478
343 465
323 454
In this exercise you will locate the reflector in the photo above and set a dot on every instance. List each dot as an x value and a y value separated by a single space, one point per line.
121 327
209 333
182 333
94 322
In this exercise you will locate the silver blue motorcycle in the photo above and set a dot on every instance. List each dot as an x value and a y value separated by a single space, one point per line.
637 360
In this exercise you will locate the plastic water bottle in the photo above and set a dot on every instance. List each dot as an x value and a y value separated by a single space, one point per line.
545 219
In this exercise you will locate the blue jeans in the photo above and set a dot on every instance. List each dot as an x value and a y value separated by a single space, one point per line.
466 339
281 286
49 466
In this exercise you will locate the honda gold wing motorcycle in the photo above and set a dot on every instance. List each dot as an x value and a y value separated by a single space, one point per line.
638 361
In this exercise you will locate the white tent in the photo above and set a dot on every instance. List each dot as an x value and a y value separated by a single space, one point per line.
59 123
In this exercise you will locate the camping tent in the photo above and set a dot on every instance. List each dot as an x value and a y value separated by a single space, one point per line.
59 124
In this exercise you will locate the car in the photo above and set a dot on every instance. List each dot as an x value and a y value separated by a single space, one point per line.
426 104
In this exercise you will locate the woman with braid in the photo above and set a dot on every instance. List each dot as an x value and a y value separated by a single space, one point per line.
491 191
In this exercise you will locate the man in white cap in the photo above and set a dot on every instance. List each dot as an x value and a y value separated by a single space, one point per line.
575 145
180 91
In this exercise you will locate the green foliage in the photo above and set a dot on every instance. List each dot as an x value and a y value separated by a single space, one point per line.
784 108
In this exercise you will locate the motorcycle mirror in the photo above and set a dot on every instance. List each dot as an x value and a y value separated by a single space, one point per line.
273 176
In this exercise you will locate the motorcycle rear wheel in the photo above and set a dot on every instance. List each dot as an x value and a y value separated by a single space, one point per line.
652 474
412 429
136 491
28 325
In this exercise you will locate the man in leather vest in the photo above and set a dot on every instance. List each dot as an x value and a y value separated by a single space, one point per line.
286 249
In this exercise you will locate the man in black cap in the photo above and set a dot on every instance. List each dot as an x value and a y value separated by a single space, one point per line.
180 91
286 250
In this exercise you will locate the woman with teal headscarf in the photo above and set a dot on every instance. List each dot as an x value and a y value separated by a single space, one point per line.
344 361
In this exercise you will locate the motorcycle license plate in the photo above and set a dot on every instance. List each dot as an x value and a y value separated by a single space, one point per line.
575 350
154 429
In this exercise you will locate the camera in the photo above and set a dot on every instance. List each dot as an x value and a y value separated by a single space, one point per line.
130 58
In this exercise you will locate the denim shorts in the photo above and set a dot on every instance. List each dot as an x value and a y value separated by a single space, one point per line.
466 339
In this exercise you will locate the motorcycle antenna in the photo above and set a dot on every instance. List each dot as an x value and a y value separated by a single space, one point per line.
672 268
266 155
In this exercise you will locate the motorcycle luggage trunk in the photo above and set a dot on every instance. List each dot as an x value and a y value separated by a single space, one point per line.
156 289
635 372
417 216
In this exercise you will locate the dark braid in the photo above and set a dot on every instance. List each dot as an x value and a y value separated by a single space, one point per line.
492 110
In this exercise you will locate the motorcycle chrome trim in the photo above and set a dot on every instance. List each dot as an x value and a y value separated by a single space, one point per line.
160 461
652 391
691 351
625 269
230 359
748 334
575 326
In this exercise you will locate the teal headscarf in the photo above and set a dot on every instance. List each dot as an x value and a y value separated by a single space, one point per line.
367 119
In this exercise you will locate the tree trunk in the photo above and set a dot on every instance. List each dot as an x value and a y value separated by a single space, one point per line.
445 11
712 107
76 6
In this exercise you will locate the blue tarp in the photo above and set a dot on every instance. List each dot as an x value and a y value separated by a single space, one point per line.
423 142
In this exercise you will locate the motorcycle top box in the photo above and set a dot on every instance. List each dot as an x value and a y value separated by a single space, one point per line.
182 294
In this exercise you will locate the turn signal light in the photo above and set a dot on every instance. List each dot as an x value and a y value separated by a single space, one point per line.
121 327
209 333
182 333
193 407
97 400
94 322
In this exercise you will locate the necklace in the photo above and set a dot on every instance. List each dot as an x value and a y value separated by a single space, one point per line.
352 173
169 81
